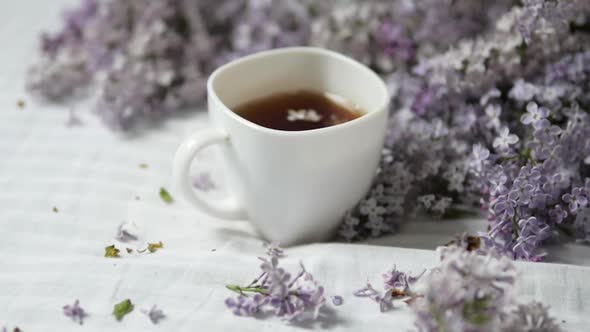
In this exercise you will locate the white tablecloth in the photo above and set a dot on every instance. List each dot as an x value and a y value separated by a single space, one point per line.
91 175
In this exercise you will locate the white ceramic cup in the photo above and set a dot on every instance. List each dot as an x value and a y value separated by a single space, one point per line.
294 186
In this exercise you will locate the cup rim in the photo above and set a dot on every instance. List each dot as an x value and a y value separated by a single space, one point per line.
383 106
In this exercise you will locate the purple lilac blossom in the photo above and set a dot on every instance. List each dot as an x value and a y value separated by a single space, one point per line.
203 181
507 77
337 300
397 286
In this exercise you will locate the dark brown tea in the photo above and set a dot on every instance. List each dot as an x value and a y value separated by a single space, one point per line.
299 110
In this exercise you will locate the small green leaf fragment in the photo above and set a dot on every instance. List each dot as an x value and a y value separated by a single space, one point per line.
111 251
55 210
165 196
153 247
143 166
122 308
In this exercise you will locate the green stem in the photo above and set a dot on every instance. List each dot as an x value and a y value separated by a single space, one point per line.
241 290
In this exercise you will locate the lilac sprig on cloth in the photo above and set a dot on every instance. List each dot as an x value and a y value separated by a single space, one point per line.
291 297
397 286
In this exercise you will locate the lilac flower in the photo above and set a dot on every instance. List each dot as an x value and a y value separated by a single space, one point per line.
531 317
427 200
337 300
246 306
531 232
391 38
505 139
273 249
557 214
497 184
127 232
154 314
576 199
480 155
492 116
523 91
466 292
534 115
203 182
397 285
422 101
385 301
75 312
504 205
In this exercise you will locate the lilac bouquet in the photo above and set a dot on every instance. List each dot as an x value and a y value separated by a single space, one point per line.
490 99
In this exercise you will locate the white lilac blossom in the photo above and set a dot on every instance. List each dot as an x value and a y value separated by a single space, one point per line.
291 297
75 312
490 99
127 232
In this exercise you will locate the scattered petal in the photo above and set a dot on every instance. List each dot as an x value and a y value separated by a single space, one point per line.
127 232
337 300
154 314
75 312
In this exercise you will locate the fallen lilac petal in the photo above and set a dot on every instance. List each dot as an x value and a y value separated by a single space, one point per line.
154 314
337 300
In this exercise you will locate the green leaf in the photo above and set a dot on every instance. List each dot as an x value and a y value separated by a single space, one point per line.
143 165
111 251
165 196
122 308
55 209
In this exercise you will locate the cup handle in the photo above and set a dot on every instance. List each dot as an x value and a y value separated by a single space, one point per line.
227 208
